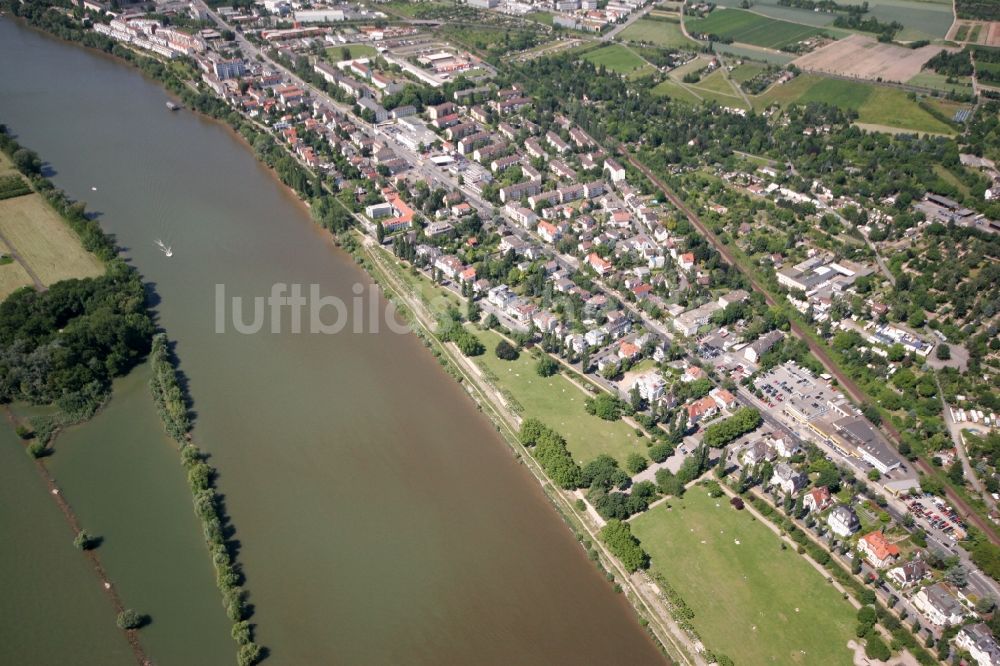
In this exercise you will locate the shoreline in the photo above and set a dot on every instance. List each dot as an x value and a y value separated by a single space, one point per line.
670 637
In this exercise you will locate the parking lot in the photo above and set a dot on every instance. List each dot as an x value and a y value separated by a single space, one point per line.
938 515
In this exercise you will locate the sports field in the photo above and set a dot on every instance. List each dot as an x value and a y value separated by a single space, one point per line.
749 28
752 601
616 58
666 34
877 106
49 247
559 404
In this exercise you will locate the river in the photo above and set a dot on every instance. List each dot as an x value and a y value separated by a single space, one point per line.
380 517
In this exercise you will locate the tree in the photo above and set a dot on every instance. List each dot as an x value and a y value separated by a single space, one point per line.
943 352
668 483
660 452
605 406
84 540
547 366
248 655
956 474
618 536
380 232
27 162
636 462
130 619
507 351
875 648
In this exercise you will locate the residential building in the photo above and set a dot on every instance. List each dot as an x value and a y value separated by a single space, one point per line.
817 499
939 605
788 479
651 385
878 550
909 573
978 641
756 349
843 522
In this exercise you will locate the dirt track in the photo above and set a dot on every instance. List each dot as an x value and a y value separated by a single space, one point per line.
846 382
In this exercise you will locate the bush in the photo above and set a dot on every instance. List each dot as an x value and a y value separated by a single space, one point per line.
84 540
130 619
618 536
875 648
660 452
506 351
635 463
547 366
37 450
248 655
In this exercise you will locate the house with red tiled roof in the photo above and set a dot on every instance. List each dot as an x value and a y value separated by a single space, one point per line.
628 350
700 409
877 550
693 373
600 265
817 499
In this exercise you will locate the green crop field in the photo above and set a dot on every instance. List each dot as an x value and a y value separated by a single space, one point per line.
749 28
661 33
746 71
752 600
674 90
884 108
921 19
559 404
616 58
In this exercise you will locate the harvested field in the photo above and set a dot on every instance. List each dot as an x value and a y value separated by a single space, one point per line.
993 36
44 241
863 57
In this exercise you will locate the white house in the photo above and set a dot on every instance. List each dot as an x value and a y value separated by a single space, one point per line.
907 574
843 522
939 605
651 385
978 641
787 479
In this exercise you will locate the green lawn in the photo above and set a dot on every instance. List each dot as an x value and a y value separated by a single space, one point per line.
752 601
616 58
336 53
934 81
666 34
749 28
559 404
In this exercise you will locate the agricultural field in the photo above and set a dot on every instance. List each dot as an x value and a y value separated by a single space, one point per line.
44 241
746 71
616 58
921 19
665 34
559 404
879 107
353 51
862 57
765 605
12 274
674 90
749 28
